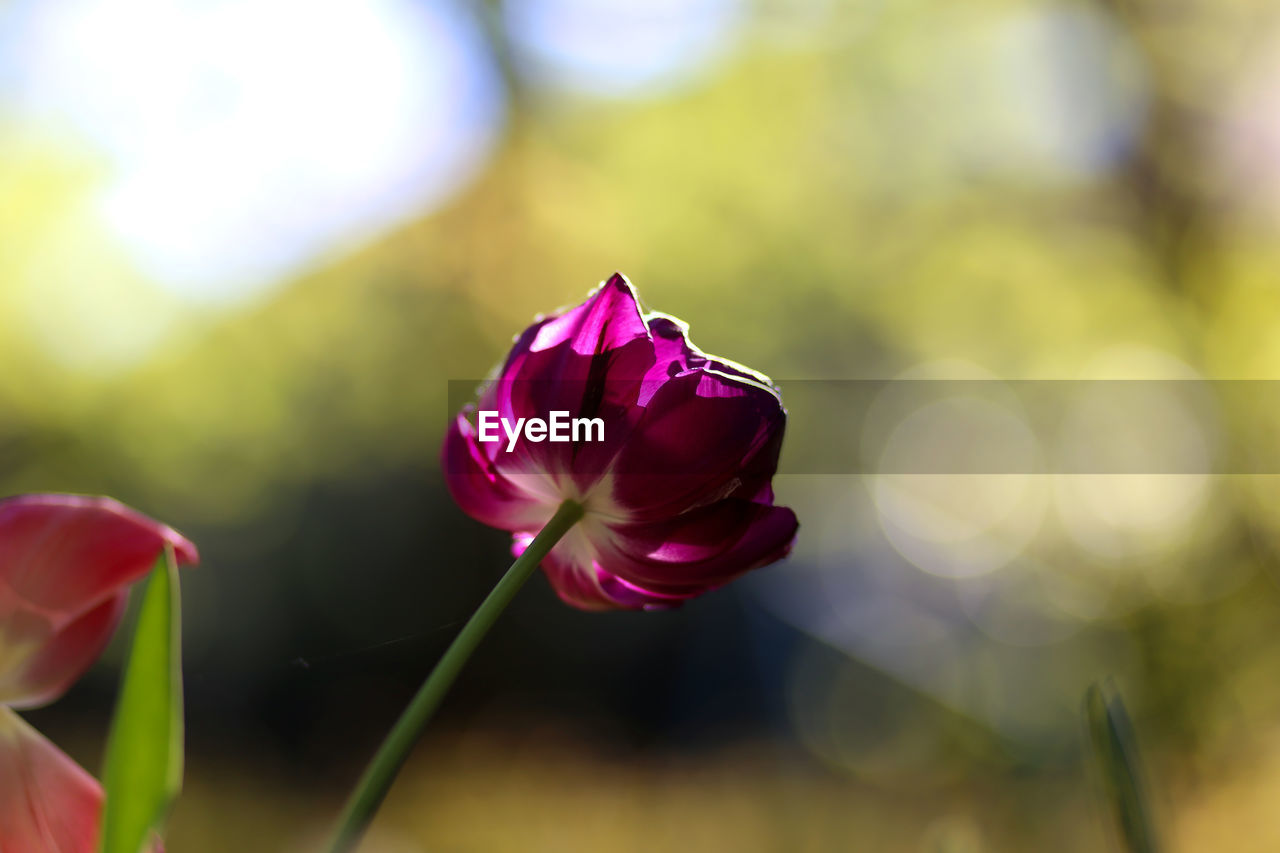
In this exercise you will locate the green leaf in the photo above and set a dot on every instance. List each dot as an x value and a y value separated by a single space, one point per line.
143 773
1116 750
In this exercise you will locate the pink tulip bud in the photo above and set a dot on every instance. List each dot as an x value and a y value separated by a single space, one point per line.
66 564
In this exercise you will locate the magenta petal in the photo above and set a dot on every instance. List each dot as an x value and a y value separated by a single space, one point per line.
674 354
48 804
628 596
480 490
586 586
608 320
703 436
61 555
589 362
701 549
577 585
564 362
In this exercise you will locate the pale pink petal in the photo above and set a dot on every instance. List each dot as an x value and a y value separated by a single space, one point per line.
62 555
66 562
58 658
48 804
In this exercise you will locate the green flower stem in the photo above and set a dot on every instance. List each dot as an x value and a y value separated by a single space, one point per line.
377 779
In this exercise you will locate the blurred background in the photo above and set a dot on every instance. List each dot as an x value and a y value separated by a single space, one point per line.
244 247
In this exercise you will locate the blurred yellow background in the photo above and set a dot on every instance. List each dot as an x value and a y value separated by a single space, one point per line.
244 247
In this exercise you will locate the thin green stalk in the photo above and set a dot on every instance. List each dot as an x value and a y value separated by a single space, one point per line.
377 779
1115 749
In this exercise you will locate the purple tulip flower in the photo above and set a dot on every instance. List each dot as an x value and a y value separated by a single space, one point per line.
670 451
